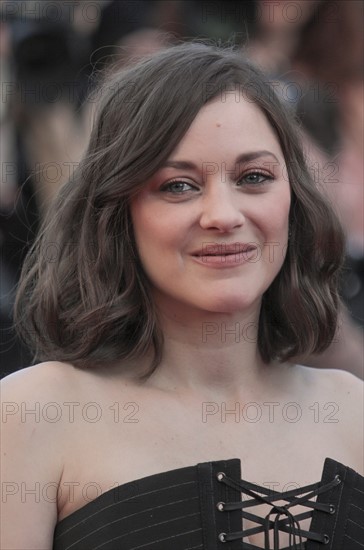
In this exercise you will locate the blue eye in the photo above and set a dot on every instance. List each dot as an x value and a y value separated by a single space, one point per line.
176 187
256 178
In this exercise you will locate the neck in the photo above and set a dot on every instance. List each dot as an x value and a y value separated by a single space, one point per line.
210 354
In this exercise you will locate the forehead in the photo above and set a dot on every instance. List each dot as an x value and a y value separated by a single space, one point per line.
230 123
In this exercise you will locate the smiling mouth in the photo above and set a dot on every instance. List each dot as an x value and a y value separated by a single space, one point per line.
222 254
226 255
224 250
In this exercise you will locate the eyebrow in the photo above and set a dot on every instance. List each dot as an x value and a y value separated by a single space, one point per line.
244 157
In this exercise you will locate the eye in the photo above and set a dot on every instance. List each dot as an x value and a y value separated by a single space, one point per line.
256 178
177 187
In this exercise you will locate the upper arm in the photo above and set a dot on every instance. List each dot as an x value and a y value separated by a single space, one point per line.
31 461
350 397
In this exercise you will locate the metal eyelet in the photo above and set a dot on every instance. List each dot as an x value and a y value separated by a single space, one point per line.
220 506
332 509
326 539
220 476
338 478
222 537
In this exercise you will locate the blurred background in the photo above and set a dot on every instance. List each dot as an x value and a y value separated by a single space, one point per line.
53 53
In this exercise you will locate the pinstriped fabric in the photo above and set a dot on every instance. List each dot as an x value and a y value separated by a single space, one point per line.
353 528
176 510
165 511
345 527
161 510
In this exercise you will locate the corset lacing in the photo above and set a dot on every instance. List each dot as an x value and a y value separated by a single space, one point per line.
290 523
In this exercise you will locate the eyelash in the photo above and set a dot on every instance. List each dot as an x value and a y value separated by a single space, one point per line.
267 177
166 188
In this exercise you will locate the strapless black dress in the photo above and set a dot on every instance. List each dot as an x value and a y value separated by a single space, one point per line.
201 508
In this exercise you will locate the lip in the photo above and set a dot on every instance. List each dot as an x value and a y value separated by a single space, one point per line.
220 255
223 249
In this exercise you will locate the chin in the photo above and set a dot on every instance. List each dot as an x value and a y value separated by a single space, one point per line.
231 304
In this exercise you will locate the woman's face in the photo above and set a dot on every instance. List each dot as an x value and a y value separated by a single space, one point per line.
211 226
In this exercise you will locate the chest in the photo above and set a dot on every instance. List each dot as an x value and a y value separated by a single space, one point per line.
126 444
98 468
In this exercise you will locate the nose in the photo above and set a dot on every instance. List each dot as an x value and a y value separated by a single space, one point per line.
220 209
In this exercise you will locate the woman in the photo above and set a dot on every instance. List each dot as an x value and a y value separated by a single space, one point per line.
185 264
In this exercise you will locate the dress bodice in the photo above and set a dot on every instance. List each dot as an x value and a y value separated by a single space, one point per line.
200 507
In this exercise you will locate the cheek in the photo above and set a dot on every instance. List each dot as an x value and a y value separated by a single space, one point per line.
155 232
143 219
159 222
281 211
275 230
274 217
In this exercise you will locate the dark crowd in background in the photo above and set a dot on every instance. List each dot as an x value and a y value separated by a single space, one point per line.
53 53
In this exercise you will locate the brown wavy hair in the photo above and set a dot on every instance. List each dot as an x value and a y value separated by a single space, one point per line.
83 295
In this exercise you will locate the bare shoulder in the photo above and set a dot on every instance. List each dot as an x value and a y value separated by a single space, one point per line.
52 392
25 393
338 396
330 382
334 385
30 402
32 453
39 378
